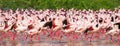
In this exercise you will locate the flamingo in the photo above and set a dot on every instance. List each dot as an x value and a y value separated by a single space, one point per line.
36 27
2 24
70 26
115 29
81 26
96 26
58 23
9 24
22 25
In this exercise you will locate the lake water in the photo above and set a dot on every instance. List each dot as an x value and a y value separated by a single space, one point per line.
11 39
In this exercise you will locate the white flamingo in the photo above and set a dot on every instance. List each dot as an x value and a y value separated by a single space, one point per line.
81 26
22 25
113 31
2 24
35 29
71 27
9 24
58 23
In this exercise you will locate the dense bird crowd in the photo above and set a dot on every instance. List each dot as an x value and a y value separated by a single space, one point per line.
79 21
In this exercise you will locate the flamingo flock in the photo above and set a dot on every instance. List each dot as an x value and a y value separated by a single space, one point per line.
58 23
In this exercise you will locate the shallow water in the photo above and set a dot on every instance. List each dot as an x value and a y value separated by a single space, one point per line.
11 39
48 42
80 43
